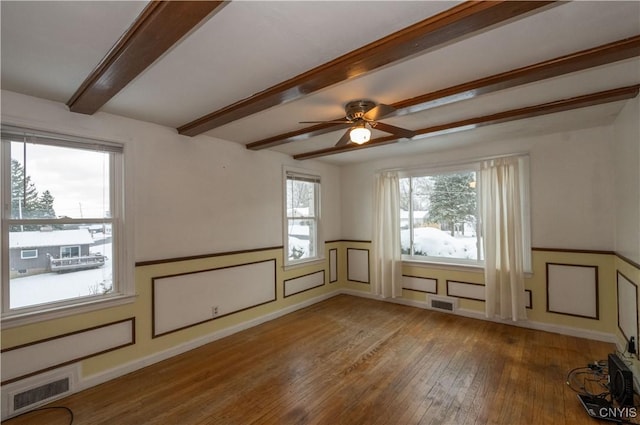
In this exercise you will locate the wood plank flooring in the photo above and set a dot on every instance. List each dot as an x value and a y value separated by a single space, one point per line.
350 360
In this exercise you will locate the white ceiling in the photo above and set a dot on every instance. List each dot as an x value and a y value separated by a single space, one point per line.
48 48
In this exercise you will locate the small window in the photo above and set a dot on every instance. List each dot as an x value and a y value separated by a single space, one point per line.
69 251
439 217
302 217
26 254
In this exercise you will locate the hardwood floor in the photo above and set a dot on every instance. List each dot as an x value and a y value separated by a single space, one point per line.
350 360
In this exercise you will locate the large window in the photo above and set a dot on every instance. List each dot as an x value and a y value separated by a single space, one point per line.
302 219
62 222
439 217
441 214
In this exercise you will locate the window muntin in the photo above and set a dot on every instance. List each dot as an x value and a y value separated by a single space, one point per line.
302 210
439 217
64 199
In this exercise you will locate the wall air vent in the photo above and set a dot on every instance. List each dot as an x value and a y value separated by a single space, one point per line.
29 393
40 394
447 304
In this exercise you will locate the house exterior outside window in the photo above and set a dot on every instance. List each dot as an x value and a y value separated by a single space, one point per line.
60 195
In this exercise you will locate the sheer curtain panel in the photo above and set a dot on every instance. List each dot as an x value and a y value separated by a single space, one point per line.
387 262
502 227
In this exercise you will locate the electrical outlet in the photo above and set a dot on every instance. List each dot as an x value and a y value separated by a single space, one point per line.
214 310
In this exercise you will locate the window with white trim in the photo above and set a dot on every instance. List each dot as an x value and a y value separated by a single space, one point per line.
28 253
62 222
302 217
439 217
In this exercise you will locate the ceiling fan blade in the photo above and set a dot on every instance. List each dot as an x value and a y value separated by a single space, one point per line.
392 129
346 138
326 122
378 112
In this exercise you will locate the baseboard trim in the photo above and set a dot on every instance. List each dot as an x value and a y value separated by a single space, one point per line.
134 365
540 326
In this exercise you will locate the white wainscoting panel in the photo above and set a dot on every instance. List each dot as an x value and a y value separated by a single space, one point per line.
333 265
420 284
528 298
184 300
572 290
468 290
358 265
627 307
303 283
30 359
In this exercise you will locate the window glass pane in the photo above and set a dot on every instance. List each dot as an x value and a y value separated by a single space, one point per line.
29 253
300 198
72 261
443 218
52 181
302 239
405 215
67 255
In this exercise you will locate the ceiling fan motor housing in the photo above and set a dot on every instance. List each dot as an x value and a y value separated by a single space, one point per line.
355 110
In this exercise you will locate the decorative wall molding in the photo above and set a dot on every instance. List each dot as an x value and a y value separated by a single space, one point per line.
572 289
528 298
358 265
303 283
183 300
203 256
427 285
628 316
39 356
466 290
333 265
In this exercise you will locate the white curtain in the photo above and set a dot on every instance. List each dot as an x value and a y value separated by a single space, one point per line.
502 228
387 263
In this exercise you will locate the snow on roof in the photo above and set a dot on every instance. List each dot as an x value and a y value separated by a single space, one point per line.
52 238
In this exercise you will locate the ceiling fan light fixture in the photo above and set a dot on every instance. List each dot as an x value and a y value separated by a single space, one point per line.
360 134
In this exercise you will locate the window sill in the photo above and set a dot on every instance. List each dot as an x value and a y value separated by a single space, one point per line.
12 320
299 265
453 266
445 266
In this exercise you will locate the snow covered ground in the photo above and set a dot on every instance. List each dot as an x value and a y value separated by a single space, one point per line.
49 287
436 243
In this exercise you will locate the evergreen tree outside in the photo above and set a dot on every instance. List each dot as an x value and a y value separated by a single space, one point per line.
45 209
25 201
453 201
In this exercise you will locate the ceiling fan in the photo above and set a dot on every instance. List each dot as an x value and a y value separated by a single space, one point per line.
364 114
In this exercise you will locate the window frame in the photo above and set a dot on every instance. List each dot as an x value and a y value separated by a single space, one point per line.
435 171
122 249
474 165
30 257
64 248
319 241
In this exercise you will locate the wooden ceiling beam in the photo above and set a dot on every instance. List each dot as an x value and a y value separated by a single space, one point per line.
445 27
160 25
584 101
585 59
